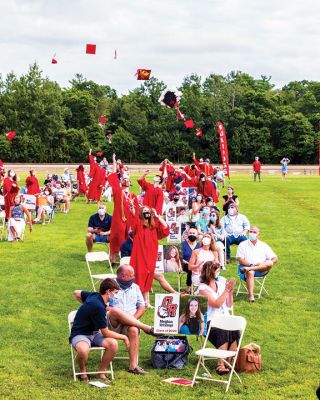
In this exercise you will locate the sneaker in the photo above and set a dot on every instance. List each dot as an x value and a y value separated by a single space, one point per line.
137 370
222 267
148 305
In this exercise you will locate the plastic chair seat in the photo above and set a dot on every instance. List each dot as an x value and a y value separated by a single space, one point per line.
215 353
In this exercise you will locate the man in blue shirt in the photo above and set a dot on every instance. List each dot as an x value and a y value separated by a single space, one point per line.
98 228
91 326
130 300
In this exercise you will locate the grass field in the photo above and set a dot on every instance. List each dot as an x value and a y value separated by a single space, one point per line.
39 275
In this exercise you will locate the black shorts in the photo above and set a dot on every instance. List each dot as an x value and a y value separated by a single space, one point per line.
218 337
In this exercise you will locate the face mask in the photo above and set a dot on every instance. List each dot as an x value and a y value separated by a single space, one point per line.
143 193
252 236
205 212
46 193
232 211
216 278
155 179
192 238
12 174
203 179
101 212
206 241
125 284
213 218
147 215
176 199
199 198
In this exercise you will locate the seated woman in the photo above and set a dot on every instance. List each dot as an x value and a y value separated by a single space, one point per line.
45 203
202 222
172 260
229 199
207 252
220 299
191 322
16 222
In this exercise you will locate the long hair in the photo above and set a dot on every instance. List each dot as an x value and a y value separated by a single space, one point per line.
187 311
15 177
213 246
207 274
145 223
176 257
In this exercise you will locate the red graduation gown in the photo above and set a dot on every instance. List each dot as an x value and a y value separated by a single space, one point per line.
9 193
98 176
32 185
153 195
145 251
82 189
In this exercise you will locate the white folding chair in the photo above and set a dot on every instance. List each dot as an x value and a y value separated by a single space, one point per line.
71 317
259 282
229 323
99 257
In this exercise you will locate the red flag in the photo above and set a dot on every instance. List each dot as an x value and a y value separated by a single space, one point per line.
102 119
198 132
223 148
180 116
189 123
91 49
10 135
143 74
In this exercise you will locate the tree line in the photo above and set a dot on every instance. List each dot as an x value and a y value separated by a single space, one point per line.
55 124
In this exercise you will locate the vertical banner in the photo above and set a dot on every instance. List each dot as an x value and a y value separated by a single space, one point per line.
166 313
223 148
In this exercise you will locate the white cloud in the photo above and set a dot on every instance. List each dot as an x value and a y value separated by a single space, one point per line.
173 38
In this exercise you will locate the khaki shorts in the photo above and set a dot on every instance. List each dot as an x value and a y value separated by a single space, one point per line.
122 329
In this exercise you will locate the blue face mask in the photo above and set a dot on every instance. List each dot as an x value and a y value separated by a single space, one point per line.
216 278
252 236
199 198
205 212
125 284
213 218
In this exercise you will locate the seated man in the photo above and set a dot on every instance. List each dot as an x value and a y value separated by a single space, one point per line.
90 326
236 226
126 247
255 259
130 300
61 196
98 228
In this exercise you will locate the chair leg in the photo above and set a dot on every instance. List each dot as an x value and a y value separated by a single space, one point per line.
196 372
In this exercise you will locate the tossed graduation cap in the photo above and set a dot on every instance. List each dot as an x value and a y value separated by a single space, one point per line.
91 48
10 135
189 124
102 119
143 74
54 60
198 132
180 116
170 98
109 135
99 153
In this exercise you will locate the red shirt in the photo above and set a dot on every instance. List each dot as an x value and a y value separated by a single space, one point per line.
256 166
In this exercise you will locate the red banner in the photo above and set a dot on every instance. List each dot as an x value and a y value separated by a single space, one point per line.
223 148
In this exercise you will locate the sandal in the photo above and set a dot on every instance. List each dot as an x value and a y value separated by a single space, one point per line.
84 379
222 370
104 380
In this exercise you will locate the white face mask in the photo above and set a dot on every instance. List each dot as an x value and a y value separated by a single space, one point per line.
46 193
206 241
232 211
101 211
12 174
252 236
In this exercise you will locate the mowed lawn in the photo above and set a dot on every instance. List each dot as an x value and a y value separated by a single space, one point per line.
39 275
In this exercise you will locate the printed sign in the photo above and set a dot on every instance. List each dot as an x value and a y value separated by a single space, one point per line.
166 313
29 201
159 262
174 232
171 214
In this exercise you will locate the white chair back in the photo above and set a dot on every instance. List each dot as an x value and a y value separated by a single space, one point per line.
229 322
97 256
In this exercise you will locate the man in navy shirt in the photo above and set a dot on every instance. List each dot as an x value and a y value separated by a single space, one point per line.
98 228
90 326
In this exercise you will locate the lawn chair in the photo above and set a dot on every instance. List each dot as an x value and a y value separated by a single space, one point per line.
259 282
71 317
99 257
226 322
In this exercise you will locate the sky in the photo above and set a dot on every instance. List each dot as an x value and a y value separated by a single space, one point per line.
277 38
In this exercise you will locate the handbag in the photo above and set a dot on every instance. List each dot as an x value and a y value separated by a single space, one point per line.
249 359
170 352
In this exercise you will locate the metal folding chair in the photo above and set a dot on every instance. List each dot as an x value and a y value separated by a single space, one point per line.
103 258
71 317
226 322
259 282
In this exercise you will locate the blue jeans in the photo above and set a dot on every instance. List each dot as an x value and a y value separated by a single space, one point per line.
234 240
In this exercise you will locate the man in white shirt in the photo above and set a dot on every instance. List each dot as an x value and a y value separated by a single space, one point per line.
130 300
255 258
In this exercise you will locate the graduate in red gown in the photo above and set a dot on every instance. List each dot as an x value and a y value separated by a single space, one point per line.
82 186
1 171
206 188
32 183
10 190
148 228
98 179
168 172
121 217
153 193
204 166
